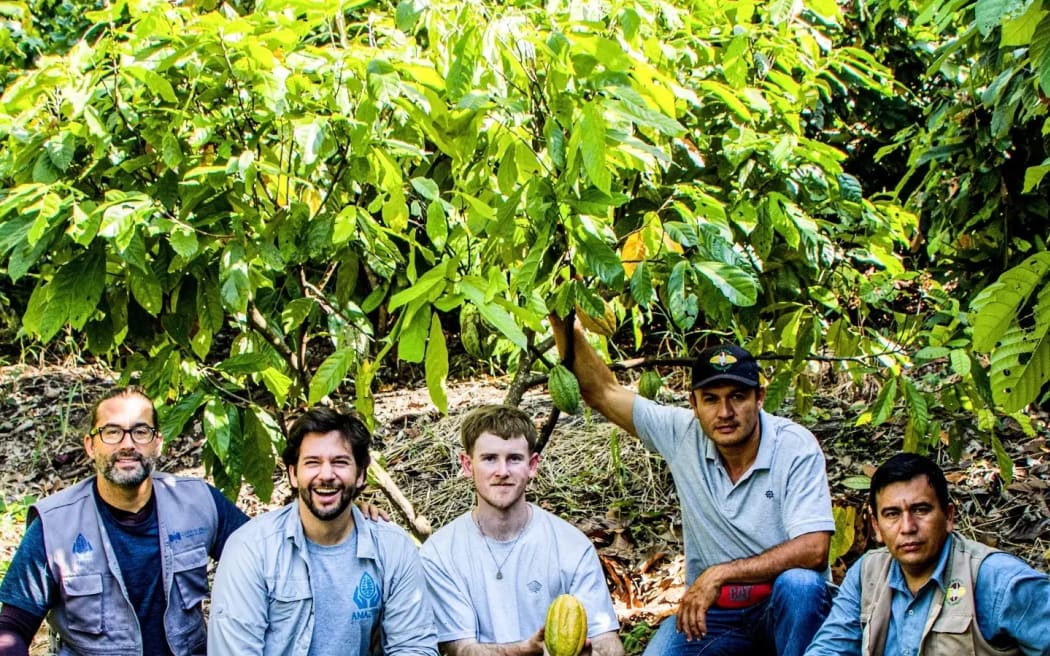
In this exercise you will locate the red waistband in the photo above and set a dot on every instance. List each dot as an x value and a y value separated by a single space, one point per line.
740 595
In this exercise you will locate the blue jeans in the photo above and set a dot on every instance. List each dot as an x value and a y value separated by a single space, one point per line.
783 625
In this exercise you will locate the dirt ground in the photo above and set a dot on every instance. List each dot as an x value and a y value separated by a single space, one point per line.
592 474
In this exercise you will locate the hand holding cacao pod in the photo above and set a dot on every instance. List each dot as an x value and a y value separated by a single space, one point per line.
566 630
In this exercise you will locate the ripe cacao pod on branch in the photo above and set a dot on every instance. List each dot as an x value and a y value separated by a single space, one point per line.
566 628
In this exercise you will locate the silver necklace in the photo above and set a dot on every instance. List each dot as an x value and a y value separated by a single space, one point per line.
485 539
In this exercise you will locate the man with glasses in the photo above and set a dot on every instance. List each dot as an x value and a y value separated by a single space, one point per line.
118 562
756 508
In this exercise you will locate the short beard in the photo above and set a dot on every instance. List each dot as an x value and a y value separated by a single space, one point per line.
346 497
107 468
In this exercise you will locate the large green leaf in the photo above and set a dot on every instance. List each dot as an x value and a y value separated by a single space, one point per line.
735 284
437 364
330 374
997 307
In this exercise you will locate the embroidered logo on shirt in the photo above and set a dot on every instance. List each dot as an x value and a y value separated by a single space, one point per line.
81 546
723 360
534 586
366 596
955 592
769 494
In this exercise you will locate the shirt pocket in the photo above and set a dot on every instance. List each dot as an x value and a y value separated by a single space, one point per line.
289 601
190 571
83 601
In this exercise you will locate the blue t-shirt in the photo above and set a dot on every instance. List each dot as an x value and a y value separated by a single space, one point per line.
338 628
30 586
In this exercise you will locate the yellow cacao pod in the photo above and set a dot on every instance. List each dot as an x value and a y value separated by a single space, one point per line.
564 389
649 384
604 325
566 628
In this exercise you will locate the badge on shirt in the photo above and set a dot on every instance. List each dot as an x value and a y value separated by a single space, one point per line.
955 592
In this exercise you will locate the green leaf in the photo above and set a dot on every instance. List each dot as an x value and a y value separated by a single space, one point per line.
882 409
845 532
183 241
146 290
1006 464
735 284
330 374
997 306
412 342
1033 176
592 147
244 363
216 424
642 286
173 418
295 313
60 149
918 412
235 286
602 260
155 82
684 307
261 432
858 482
437 364
961 363
278 383
78 286
495 315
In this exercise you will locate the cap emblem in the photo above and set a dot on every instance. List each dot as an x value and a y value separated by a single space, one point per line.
723 360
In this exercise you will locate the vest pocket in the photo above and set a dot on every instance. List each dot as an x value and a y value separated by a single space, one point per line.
83 602
952 623
190 571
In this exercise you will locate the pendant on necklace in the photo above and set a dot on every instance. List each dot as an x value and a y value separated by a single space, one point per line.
499 576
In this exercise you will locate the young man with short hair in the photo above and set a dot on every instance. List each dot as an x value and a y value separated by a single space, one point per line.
118 562
316 578
930 590
756 507
493 571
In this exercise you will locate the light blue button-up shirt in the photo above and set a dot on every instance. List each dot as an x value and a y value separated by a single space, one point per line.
1012 604
262 601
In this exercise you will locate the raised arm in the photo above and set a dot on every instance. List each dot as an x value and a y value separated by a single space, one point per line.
598 383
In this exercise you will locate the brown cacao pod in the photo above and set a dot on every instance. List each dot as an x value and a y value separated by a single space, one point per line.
604 325
564 389
649 384
566 628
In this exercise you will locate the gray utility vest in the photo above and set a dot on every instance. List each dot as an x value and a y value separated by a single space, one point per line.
92 614
951 628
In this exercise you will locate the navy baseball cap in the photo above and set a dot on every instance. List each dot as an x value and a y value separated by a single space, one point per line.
727 362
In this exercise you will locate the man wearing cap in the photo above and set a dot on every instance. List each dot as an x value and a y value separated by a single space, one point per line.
756 509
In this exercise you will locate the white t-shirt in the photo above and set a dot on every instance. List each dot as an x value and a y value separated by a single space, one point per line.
550 557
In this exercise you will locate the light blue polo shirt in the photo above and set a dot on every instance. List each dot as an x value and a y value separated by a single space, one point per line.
782 496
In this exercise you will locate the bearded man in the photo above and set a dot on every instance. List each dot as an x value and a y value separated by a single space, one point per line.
118 562
317 577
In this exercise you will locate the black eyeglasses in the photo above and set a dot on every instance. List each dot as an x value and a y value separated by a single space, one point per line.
113 434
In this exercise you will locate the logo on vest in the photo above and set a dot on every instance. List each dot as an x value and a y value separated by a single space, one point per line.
82 548
955 592
366 596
